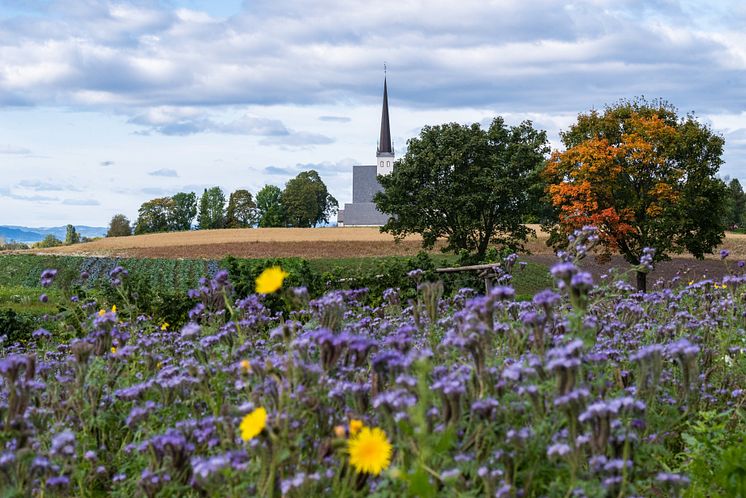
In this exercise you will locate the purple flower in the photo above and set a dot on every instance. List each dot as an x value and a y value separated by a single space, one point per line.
724 253
63 444
47 277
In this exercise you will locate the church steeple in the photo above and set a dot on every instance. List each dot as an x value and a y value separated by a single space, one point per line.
384 143
384 151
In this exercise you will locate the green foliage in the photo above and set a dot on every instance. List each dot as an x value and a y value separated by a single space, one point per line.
269 206
16 326
71 235
154 216
714 455
470 185
49 241
119 226
735 205
242 212
183 211
306 201
211 209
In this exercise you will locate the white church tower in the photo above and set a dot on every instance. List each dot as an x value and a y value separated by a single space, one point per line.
385 152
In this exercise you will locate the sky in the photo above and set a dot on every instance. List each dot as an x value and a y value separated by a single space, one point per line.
104 105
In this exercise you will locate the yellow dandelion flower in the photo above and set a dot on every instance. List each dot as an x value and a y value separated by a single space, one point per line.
253 423
355 426
101 312
245 366
113 350
270 280
370 451
691 282
114 309
164 326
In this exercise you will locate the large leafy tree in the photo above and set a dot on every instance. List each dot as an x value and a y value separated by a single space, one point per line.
269 206
71 235
465 183
154 216
645 177
184 210
212 209
242 211
307 201
119 226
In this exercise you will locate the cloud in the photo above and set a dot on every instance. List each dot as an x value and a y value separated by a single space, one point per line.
16 151
274 170
81 202
42 186
6 192
335 119
106 163
171 173
528 54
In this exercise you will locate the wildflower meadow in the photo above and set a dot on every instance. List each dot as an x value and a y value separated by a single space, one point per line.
587 389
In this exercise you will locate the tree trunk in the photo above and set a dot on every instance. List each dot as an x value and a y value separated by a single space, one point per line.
642 281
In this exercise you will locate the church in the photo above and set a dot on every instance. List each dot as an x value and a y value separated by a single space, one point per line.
362 211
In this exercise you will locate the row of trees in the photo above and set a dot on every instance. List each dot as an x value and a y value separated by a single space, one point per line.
305 202
640 173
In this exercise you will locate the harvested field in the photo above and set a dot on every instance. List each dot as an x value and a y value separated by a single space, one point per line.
310 243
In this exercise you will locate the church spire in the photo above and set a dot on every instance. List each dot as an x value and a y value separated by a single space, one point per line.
384 143
384 151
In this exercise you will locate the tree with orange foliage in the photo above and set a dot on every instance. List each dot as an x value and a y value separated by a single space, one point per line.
644 177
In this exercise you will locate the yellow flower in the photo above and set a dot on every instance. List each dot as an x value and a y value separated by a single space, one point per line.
101 312
113 350
691 282
164 326
370 451
339 431
245 366
253 423
270 280
114 309
355 426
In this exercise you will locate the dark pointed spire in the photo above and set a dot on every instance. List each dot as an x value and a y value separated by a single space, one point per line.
384 143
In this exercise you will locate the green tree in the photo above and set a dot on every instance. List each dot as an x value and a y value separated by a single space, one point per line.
736 204
242 211
644 177
71 235
184 210
307 201
49 241
154 216
119 226
466 184
269 206
211 209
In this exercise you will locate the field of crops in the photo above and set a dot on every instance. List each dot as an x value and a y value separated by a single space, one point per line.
587 389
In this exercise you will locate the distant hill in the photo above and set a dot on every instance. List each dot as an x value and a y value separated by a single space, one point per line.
28 235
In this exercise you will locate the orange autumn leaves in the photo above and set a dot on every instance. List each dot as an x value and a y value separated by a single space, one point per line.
613 184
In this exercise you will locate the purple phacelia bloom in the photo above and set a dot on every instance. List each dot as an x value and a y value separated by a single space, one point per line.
63 444
47 277
724 253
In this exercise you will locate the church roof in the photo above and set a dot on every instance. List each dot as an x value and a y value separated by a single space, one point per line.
384 143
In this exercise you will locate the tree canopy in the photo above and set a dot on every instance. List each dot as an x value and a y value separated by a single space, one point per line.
644 177
465 183
211 209
306 200
183 211
119 226
154 216
241 211
269 207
